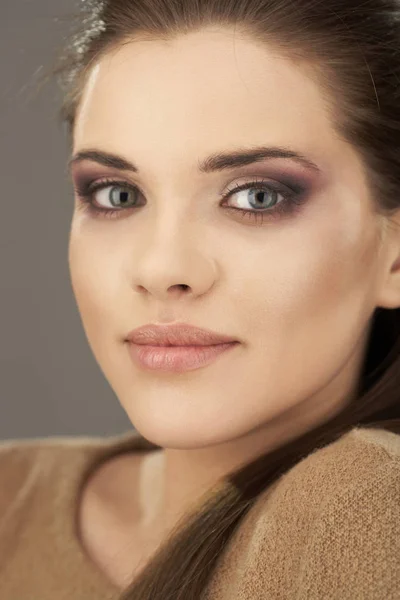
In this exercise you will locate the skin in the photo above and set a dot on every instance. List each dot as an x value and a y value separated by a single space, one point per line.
298 291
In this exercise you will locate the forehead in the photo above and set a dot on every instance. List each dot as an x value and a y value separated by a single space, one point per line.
200 91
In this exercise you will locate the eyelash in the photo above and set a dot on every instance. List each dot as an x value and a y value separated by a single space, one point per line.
293 198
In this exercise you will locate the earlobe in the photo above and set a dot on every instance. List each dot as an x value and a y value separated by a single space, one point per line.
389 296
396 265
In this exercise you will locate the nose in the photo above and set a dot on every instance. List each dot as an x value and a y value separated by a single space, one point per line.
175 269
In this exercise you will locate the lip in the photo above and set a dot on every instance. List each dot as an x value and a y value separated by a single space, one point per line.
176 359
177 334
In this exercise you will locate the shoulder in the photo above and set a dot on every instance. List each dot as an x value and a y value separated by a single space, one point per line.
329 527
55 464
366 502
20 454
319 480
353 546
352 459
370 458
357 459
27 463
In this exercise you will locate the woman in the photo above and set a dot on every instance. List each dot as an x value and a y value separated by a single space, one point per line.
236 168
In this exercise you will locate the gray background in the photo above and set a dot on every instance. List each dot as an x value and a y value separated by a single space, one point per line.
50 381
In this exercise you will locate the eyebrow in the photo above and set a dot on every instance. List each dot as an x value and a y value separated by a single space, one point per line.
216 162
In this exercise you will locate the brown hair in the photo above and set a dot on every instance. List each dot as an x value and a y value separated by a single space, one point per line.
352 48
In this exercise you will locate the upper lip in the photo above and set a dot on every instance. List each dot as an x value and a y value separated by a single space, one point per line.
178 334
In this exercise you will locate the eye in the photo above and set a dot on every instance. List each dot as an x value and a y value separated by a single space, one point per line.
256 196
99 198
94 197
264 199
118 196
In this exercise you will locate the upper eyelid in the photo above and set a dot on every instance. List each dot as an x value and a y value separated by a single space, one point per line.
93 183
111 181
130 178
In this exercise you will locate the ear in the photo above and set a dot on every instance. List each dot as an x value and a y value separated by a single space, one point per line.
388 293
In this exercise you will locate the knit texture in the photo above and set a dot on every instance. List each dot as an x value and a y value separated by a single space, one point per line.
328 529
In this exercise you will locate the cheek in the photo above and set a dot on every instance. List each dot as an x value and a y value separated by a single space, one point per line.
299 279
325 264
94 278
306 304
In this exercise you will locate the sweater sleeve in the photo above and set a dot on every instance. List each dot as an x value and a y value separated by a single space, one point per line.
353 551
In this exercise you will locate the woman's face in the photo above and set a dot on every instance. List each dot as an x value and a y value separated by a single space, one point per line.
297 288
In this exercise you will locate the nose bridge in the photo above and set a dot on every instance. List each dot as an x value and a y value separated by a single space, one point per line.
173 213
173 252
170 217
174 190
171 240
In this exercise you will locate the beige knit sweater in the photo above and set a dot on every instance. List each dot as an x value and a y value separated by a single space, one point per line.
328 530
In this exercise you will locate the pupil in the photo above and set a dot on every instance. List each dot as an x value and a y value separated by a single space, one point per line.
123 195
260 196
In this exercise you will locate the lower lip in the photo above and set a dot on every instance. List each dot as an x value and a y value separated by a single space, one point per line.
176 359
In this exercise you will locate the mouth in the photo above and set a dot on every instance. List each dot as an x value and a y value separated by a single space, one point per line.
177 359
176 334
